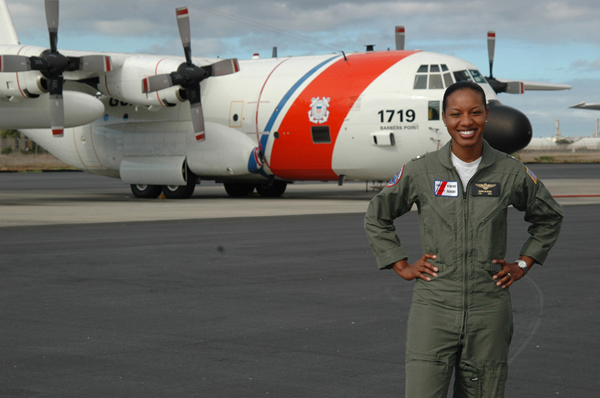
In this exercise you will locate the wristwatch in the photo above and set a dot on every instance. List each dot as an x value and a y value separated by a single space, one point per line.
523 265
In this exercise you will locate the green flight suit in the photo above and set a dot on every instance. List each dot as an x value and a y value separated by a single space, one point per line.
461 319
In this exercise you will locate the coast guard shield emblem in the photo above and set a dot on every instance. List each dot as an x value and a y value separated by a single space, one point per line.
396 178
319 113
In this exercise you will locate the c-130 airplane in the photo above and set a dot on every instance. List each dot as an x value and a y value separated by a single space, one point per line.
164 123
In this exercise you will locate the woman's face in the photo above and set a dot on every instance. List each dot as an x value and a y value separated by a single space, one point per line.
465 117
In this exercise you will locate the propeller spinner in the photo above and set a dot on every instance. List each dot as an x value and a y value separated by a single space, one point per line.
189 76
52 65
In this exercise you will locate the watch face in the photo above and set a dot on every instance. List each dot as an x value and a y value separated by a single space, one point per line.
523 265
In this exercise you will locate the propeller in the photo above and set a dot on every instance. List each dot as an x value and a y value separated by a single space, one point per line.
52 65
512 87
189 76
399 37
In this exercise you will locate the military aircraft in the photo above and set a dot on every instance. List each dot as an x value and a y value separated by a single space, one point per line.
585 105
169 122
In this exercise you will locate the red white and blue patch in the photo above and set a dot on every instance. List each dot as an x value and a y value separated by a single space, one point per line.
396 178
533 176
445 188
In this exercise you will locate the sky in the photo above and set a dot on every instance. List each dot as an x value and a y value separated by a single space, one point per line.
540 40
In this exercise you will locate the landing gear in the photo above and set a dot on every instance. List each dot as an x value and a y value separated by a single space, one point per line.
238 190
274 191
145 191
180 191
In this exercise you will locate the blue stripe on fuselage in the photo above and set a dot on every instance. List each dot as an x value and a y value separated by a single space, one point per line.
287 96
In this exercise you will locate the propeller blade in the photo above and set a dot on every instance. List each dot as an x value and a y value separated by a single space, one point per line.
198 121
225 67
14 63
194 96
155 83
52 21
491 48
57 112
399 37
91 63
183 23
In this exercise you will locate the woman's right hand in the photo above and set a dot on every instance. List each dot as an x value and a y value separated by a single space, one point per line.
420 269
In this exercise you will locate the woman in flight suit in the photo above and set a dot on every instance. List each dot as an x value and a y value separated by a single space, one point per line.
461 318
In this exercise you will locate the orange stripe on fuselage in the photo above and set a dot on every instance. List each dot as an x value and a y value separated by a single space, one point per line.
294 156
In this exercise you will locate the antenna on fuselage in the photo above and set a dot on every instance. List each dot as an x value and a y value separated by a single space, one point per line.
344 54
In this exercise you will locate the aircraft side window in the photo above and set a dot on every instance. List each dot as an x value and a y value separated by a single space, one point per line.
434 110
423 69
462 76
420 82
435 82
477 76
320 134
444 68
435 68
448 79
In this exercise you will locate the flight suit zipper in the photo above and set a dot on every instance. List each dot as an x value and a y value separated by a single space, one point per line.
466 247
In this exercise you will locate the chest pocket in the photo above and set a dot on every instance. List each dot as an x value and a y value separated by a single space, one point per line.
438 218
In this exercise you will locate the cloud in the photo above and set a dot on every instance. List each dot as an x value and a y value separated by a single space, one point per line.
123 27
585 65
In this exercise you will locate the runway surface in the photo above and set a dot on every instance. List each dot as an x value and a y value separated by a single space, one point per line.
104 295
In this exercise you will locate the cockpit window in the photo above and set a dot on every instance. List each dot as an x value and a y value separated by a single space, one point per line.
435 81
448 79
431 77
477 76
420 82
462 76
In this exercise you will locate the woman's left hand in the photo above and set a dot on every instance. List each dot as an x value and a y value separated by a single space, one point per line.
510 273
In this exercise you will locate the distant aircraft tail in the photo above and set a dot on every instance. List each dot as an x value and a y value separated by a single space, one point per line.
8 34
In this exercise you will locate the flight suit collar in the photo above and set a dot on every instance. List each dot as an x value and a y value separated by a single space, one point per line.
487 157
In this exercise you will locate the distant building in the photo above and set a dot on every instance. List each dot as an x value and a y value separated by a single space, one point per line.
540 144
590 144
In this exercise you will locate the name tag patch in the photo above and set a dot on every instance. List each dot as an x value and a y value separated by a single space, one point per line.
445 188
485 189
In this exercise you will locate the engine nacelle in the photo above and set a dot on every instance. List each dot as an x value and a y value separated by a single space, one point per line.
125 83
21 85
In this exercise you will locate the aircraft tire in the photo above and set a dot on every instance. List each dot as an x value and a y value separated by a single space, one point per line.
181 191
145 191
178 191
238 190
274 191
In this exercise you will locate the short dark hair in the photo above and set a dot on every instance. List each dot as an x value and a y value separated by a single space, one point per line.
463 85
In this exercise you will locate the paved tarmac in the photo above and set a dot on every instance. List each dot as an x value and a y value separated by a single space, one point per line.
110 301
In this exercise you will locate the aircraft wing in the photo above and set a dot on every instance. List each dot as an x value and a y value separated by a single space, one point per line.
539 86
583 105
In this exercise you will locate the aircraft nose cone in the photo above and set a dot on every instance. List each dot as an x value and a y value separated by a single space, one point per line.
507 130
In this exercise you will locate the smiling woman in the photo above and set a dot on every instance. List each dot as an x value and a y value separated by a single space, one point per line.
461 317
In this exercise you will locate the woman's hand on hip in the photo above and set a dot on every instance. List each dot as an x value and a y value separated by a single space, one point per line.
420 269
